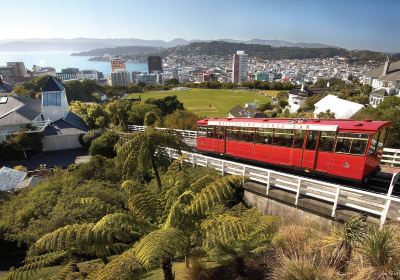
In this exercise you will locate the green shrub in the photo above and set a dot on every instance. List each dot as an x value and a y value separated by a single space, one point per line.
104 145
91 135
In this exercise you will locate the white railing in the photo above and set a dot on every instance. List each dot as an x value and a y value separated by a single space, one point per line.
334 194
186 134
390 157
42 124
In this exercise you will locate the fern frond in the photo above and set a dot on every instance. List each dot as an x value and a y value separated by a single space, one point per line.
219 191
223 228
65 271
166 242
131 186
201 183
96 202
31 264
179 210
120 267
145 205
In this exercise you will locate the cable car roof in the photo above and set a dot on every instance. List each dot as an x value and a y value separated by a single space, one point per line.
300 124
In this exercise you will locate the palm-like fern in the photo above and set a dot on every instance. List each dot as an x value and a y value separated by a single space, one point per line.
31 264
145 205
220 191
178 214
142 151
165 242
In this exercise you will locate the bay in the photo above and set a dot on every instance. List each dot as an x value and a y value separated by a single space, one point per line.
63 59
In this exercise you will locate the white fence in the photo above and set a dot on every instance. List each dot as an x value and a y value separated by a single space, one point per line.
186 134
389 157
336 195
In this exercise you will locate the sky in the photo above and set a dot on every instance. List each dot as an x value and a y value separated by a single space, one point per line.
352 24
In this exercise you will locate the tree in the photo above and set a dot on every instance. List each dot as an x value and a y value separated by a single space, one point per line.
167 104
139 152
137 112
104 145
326 115
151 118
172 82
264 106
93 114
181 119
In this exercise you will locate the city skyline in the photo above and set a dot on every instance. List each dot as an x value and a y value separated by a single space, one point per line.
348 24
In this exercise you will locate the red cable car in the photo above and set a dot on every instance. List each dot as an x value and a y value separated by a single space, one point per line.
340 148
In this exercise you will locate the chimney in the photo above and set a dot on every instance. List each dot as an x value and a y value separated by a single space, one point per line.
386 66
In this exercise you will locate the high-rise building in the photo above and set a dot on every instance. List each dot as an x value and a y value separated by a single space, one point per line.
18 68
120 78
117 63
155 64
239 67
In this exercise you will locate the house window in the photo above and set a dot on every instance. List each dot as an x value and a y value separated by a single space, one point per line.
52 99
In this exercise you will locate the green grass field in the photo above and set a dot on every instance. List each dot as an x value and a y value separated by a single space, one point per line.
209 102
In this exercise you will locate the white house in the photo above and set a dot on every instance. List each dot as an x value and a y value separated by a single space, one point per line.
342 109
49 115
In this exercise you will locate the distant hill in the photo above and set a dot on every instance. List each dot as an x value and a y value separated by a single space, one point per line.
222 48
128 50
86 44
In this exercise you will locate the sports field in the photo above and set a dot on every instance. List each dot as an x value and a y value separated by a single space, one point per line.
209 102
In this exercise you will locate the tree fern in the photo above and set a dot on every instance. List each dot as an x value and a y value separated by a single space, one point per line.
201 183
219 191
166 242
31 264
120 267
223 228
145 205
131 186
98 203
178 215
65 270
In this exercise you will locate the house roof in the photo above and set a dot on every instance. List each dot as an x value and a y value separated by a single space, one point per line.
10 178
392 75
19 110
76 121
52 85
240 112
70 125
4 86
342 108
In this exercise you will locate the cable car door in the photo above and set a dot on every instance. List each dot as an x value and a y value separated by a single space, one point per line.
221 139
310 150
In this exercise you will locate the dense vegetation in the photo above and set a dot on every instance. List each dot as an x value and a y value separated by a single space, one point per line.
112 218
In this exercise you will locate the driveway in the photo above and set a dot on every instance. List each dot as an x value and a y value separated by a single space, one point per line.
56 158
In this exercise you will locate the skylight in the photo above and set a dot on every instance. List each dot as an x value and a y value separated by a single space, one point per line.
3 100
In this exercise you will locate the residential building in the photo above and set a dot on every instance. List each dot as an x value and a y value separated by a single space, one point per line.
385 81
297 98
87 75
120 78
262 76
50 115
343 109
147 78
70 70
155 64
117 63
66 76
248 111
239 67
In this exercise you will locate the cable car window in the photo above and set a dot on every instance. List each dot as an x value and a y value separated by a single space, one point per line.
246 134
211 132
298 139
220 134
202 131
283 137
352 143
264 135
381 141
232 134
326 141
374 142
311 140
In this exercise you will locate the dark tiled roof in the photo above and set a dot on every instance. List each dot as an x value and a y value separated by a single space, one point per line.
14 119
11 105
381 92
32 108
76 121
62 127
52 85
